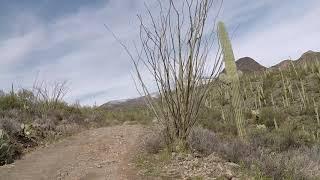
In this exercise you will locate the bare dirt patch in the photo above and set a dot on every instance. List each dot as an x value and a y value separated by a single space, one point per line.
103 153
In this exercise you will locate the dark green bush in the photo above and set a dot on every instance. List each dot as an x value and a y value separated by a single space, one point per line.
268 115
6 151
8 102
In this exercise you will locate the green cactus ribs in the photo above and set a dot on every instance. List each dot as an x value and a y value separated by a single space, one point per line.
232 75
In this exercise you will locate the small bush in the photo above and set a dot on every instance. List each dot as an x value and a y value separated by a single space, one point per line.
212 119
6 153
268 115
154 141
10 126
203 141
294 164
11 101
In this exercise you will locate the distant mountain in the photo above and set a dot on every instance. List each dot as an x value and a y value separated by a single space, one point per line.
127 103
247 64
307 57
135 102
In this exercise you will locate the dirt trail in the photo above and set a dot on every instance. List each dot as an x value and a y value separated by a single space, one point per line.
92 155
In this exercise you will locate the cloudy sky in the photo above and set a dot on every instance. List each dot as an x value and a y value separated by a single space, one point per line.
66 40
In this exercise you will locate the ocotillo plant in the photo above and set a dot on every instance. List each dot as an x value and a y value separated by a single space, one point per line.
231 71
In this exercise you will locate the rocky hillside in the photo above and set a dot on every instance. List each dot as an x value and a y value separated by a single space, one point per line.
307 57
247 65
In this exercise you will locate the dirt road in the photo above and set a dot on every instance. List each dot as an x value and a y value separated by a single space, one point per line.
92 155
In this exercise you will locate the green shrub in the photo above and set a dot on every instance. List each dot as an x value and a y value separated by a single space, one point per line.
268 115
10 102
6 152
212 119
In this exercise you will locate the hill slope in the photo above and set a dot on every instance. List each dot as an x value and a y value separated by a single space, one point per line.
247 64
307 57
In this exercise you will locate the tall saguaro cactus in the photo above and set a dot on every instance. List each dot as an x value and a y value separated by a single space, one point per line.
232 74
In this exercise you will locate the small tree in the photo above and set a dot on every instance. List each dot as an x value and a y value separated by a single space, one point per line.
175 51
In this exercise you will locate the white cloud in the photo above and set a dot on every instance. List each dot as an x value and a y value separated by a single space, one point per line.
13 50
281 34
78 48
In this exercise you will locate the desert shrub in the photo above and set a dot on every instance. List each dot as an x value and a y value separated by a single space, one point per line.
6 153
10 126
203 141
206 142
30 121
275 154
290 164
212 119
97 117
154 141
290 161
10 101
9 150
280 140
308 111
294 164
235 150
292 111
268 115
27 100
45 124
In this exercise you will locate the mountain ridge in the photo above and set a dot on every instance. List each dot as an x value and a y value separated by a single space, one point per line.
307 57
244 64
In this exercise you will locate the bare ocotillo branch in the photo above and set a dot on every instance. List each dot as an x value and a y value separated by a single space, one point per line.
176 47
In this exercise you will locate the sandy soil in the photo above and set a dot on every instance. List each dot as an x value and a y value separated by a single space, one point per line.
103 153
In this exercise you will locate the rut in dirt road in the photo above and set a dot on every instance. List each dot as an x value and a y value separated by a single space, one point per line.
95 154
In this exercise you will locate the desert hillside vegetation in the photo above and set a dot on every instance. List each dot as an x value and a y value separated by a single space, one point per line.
281 121
35 117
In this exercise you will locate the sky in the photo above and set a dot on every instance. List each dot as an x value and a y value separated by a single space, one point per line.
58 40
